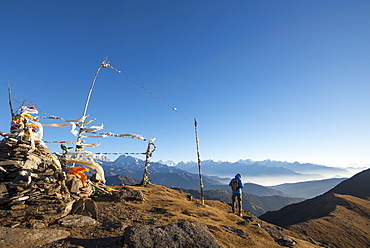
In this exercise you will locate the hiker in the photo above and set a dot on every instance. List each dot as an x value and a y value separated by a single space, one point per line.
236 186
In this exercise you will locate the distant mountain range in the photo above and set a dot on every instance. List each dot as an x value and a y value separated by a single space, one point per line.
267 172
257 199
159 173
186 175
229 169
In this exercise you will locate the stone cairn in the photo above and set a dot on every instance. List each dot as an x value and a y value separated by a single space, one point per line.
30 187
35 193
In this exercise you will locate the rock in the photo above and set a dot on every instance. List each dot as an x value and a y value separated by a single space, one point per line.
73 183
29 238
37 225
32 162
247 220
77 221
111 225
24 176
279 236
239 232
181 234
4 195
130 195
85 206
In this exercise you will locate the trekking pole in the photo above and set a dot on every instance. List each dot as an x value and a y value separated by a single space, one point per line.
199 162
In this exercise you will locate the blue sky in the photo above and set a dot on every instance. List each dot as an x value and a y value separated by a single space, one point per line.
280 80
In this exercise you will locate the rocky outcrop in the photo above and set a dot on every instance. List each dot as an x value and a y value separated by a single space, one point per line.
77 221
29 238
182 234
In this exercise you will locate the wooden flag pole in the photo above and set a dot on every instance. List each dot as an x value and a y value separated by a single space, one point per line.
10 101
199 162
104 63
78 147
149 153
145 180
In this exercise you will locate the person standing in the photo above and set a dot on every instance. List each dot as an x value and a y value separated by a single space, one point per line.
236 199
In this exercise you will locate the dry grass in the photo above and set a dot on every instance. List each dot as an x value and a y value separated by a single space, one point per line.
348 225
164 206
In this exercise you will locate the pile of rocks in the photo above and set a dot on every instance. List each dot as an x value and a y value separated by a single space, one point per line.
30 189
36 195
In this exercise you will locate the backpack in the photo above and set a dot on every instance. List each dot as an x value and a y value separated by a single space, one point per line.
235 185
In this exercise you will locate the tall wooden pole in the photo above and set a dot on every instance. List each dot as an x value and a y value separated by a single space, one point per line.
10 101
148 154
104 63
145 180
199 162
78 148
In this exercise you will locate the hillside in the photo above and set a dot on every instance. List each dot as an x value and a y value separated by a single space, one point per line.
163 206
338 218
257 205
358 186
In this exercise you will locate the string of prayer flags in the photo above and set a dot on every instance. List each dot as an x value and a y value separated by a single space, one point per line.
91 164
85 153
120 153
91 129
28 110
94 136
73 123
132 136
74 143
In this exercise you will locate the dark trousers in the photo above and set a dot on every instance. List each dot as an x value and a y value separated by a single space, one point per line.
236 199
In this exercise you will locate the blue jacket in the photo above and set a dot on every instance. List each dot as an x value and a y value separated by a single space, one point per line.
240 182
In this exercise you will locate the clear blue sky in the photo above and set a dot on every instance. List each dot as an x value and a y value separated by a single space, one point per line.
280 80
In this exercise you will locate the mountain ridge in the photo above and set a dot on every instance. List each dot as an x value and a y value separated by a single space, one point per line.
267 172
342 213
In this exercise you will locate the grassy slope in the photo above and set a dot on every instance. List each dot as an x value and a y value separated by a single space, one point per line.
165 206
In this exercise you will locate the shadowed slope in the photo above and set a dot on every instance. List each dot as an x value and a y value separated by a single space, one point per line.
317 207
348 226
338 218
358 185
